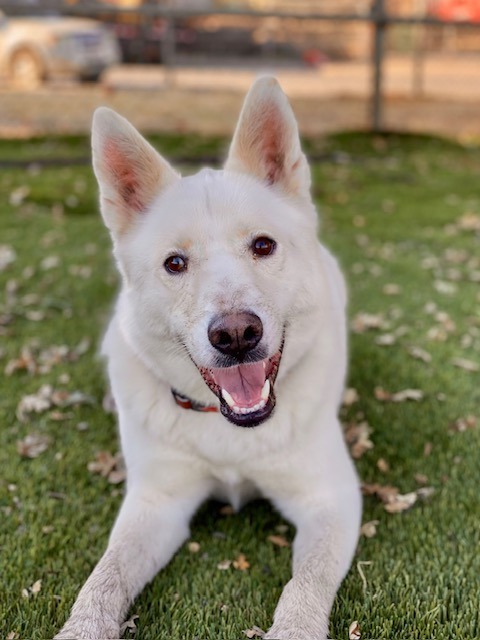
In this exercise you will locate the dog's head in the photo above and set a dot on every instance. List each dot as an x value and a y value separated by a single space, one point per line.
215 265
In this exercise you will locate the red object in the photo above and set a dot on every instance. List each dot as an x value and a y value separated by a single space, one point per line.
188 403
458 10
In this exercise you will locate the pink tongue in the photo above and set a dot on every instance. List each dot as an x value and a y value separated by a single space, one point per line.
244 382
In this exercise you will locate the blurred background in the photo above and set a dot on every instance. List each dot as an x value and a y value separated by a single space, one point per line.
184 65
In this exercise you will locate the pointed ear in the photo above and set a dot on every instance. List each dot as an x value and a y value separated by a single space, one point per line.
129 171
266 143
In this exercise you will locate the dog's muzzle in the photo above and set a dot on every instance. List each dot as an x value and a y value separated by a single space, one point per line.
245 389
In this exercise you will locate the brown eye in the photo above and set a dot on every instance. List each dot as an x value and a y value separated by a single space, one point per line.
263 246
175 264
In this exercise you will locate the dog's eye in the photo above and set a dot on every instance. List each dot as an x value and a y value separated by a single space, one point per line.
263 246
175 264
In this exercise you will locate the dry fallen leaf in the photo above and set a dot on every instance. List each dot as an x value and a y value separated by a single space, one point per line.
241 563
108 466
369 529
385 340
382 465
468 365
420 354
357 437
394 502
13 635
279 541
35 402
36 586
391 289
469 222
254 632
224 565
33 445
399 396
401 502
463 424
350 396
420 478
363 322
354 631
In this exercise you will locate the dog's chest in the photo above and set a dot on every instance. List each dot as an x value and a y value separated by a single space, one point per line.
232 487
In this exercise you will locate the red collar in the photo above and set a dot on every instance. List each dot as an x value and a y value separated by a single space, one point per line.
187 403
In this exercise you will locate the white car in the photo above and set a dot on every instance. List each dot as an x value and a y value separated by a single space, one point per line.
33 49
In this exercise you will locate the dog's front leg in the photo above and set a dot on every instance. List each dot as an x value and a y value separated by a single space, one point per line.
322 553
148 531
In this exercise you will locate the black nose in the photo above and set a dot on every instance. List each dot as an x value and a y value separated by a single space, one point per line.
234 334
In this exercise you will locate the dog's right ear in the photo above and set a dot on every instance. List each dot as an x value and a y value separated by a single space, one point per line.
129 171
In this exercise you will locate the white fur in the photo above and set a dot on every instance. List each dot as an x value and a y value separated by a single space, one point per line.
177 458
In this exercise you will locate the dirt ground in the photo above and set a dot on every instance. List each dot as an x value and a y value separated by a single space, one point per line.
333 98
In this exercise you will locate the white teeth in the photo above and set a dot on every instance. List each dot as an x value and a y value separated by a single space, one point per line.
245 410
266 390
228 398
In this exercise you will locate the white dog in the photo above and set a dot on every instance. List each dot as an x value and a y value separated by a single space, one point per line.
227 359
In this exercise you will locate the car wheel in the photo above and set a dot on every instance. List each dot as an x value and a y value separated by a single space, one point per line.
25 70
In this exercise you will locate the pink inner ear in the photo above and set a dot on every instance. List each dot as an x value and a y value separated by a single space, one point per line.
272 145
125 180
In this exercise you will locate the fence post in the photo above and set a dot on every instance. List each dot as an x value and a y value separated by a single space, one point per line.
379 22
168 48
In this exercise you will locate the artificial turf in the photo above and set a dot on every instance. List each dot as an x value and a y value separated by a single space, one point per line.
393 209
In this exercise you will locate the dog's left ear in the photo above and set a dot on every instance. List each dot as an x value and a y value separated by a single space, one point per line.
266 143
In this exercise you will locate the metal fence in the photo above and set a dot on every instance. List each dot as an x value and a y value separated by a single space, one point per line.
377 15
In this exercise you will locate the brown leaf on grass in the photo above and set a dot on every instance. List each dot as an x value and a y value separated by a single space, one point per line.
357 437
254 632
401 502
108 466
393 501
385 340
224 565
363 322
35 402
420 354
399 396
350 396
32 590
427 449
12 635
391 289
241 563
278 541
469 222
467 365
420 478
354 631
47 397
386 493
382 465
445 288
36 586
33 445
369 529
460 425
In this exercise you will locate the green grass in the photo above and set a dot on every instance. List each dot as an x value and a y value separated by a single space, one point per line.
389 211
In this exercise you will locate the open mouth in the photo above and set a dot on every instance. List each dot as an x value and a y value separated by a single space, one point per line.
245 391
